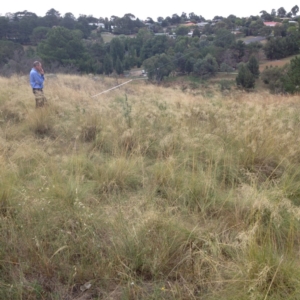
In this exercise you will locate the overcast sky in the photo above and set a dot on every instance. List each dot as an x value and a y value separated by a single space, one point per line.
143 9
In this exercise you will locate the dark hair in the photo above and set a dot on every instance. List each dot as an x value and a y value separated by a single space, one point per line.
36 63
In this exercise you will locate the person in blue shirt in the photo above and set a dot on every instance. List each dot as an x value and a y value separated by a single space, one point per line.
37 83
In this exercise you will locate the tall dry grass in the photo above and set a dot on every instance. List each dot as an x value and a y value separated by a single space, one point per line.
147 193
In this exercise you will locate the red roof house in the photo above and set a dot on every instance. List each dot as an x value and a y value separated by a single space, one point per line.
272 24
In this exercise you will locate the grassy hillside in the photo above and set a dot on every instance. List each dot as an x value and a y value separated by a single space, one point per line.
275 63
148 193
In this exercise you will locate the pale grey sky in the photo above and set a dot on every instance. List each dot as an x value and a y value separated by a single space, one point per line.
144 9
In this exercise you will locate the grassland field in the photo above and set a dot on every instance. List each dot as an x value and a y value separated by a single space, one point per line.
179 191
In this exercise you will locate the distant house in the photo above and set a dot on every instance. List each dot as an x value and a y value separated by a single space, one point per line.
25 13
98 25
272 24
166 34
188 24
236 32
20 15
218 20
202 24
161 33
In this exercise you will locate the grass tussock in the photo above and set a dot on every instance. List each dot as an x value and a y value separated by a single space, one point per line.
148 192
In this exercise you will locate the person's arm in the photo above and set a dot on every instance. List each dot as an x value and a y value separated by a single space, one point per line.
38 78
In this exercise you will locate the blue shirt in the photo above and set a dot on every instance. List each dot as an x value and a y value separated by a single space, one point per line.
36 79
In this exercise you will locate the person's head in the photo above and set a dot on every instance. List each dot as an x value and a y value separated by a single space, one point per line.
37 65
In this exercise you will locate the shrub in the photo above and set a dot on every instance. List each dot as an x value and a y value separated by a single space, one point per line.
225 85
273 77
253 66
291 81
225 68
245 79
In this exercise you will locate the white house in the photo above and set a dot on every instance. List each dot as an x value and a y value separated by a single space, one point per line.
202 24
98 25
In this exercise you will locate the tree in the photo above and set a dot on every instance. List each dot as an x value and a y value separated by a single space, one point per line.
206 67
245 79
107 65
165 22
255 27
238 48
127 63
8 49
217 18
175 19
68 21
225 68
280 47
273 13
224 38
159 44
24 14
181 43
195 18
130 16
62 45
254 48
295 10
143 35
253 66
4 27
223 25
53 13
182 30
83 25
22 26
273 78
39 34
196 32
291 81
180 62
265 31
149 20
116 49
183 16
229 57
158 66
189 65
280 30
272 49
281 12
284 79
119 67
52 18
266 16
